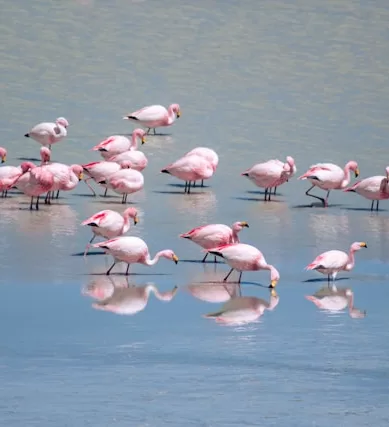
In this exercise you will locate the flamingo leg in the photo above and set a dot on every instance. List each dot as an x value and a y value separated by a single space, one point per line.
105 192
57 194
88 245
123 198
127 269
155 131
194 184
377 205
372 205
37 203
188 187
32 200
47 198
215 259
87 183
228 275
326 200
109 270
203 260
315 197
148 131
275 190
240 277
202 183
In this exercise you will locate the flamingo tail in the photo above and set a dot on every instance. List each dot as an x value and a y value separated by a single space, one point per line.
27 135
165 171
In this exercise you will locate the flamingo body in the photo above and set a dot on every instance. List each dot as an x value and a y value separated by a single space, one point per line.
47 133
117 144
136 158
125 181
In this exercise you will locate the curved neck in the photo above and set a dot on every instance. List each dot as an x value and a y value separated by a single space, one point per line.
154 260
351 259
235 237
126 223
171 115
164 296
134 141
346 179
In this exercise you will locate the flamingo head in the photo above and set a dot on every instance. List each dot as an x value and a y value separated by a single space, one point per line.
274 276
356 246
78 171
62 122
169 254
131 213
45 154
141 134
26 166
352 165
3 154
239 225
349 292
125 164
176 110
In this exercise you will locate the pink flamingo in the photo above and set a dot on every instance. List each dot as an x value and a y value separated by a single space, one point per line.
374 188
243 310
190 168
242 257
117 144
272 173
331 262
10 174
132 250
213 235
155 116
110 224
208 154
337 300
136 159
100 171
328 176
36 181
125 182
3 154
132 300
49 133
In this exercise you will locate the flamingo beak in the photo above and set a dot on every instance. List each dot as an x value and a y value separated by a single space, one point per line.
244 224
125 118
136 220
3 159
363 245
356 173
80 176
274 293
143 140
273 284
178 114
175 258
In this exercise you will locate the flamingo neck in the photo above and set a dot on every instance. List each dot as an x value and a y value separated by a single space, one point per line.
152 261
134 141
171 115
346 179
126 223
351 260
350 302
235 237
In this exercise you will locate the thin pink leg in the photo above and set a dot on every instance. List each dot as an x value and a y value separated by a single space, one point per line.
87 183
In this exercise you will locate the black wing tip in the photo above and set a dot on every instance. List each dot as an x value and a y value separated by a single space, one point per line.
102 182
27 135
245 174
102 149
133 117
216 253
165 171
92 224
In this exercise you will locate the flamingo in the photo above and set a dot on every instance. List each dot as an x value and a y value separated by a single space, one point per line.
190 168
10 174
155 116
331 262
328 176
49 133
272 173
212 235
132 300
99 171
243 257
125 182
36 181
3 154
337 300
243 310
110 224
132 250
373 188
117 144
208 154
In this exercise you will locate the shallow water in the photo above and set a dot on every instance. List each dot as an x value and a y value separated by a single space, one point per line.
263 80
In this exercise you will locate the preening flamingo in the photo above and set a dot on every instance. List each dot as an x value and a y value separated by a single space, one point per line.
243 310
190 168
110 224
243 257
374 188
155 116
328 176
271 174
125 182
132 250
100 171
3 154
136 159
49 133
10 174
213 235
117 144
208 154
331 262
133 299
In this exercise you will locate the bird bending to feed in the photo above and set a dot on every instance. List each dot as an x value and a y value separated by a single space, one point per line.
133 156
328 176
337 300
110 224
331 262
49 133
100 171
155 116
190 168
133 299
10 174
3 154
132 250
243 310
374 188
117 144
243 257
271 174
208 154
125 182
213 235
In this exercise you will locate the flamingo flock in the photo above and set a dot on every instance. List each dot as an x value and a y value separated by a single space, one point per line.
120 171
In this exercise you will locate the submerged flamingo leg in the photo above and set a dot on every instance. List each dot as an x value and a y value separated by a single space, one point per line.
372 205
228 275
87 183
240 277
109 270
127 269
203 260
377 205
188 188
202 183
315 197
194 184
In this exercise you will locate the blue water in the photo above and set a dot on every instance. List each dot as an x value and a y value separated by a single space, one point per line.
255 81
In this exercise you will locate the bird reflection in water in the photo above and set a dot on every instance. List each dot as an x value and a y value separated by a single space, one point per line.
335 300
201 204
243 310
214 292
123 298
